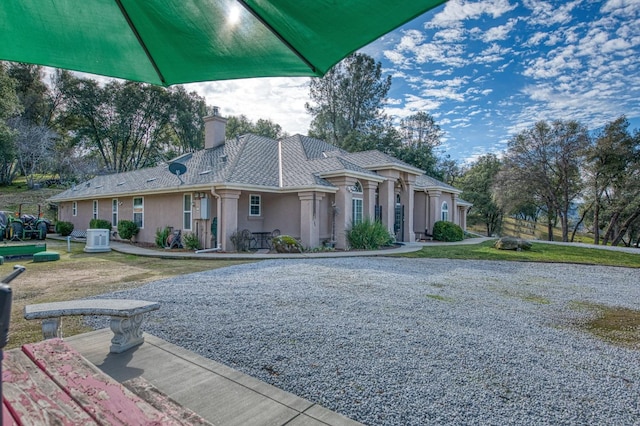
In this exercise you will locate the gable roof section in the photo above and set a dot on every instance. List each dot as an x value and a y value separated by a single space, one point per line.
427 182
252 161
376 160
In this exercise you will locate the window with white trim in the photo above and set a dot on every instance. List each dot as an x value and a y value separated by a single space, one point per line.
356 211
95 209
114 212
138 211
444 211
186 212
255 205
356 204
74 208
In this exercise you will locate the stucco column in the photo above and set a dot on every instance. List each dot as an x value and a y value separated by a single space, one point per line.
228 220
434 209
310 218
387 203
343 203
408 200
454 209
369 199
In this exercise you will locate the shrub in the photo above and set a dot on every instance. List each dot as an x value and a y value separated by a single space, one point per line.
241 240
191 241
64 228
447 231
99 224
368 235
127 229
161 236
286 244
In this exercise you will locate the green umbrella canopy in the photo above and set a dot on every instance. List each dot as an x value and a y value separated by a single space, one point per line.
168 42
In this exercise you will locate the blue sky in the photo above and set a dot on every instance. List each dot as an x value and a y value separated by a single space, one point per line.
485 70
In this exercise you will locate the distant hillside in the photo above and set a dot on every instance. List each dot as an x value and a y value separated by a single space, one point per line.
532 230
12 196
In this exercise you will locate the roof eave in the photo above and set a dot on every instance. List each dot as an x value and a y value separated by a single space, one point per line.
357 175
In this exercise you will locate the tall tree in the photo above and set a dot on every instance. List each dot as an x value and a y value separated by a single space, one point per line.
125 122
449 169
34 146
477 184
238 126
268 128
542 166
614 181
420 136
32 92
348 100
241 125
186 119
9 107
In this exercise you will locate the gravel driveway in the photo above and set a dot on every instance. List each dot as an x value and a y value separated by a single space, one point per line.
390 341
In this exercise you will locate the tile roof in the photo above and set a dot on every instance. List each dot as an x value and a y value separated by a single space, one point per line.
248 160
427 182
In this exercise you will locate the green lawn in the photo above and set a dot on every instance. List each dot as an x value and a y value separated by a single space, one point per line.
540 252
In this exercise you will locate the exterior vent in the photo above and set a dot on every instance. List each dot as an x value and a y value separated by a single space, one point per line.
206 172
151 179
121 183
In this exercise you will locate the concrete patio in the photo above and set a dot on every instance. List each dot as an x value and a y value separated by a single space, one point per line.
216 392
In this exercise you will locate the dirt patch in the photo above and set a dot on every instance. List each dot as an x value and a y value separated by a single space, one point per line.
615 325
79 275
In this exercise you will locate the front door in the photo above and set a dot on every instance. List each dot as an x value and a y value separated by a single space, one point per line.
398 224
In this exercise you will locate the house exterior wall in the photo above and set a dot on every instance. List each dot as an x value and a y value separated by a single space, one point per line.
448 198
158 211
420 209
278 211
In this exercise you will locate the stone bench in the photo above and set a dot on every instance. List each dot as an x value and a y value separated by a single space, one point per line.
126 318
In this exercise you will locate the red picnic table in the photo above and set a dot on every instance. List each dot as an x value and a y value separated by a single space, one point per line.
50 383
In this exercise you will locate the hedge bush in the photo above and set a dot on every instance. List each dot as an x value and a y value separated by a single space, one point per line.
286 244
161 236
99 224
190 241
64 228
127 229
368 235
447 231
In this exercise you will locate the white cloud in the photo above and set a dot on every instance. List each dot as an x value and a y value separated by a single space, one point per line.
456 11
501 32
548 13
281 100
627 8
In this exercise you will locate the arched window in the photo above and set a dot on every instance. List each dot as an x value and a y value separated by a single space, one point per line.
445 211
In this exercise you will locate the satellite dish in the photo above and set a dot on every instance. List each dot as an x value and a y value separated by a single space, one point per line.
178 169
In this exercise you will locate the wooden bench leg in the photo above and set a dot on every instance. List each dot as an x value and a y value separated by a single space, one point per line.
51 328
127 333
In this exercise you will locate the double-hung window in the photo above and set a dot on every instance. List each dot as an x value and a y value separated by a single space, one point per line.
95 209
138 211
255 205
114 212
356 204
186 212
445 211
74 208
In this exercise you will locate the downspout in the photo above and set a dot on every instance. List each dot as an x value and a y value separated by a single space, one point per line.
280 163
218 213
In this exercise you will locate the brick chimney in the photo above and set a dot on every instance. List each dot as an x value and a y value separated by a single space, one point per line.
214 129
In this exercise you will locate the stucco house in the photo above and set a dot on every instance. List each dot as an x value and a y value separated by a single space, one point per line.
302 186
